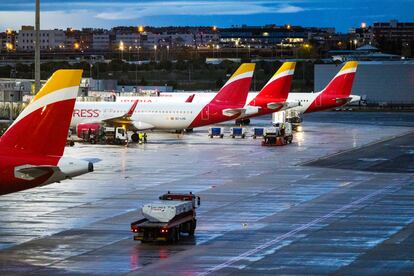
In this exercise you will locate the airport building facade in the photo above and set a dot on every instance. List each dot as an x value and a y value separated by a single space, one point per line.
49 39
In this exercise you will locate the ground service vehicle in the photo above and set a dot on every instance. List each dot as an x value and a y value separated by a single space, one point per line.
216 131
166 219
238 132
278 136
97 133
258 132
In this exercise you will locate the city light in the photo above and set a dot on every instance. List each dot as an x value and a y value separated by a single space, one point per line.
141 29
214 28
121 46
76 46
288 26
9 46
306 46
363 25
9 31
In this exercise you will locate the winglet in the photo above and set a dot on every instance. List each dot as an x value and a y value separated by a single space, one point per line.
190 98
132 109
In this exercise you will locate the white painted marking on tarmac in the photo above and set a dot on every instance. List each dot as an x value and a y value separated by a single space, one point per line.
293 232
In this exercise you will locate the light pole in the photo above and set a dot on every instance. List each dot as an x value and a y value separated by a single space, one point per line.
155 53
237 48
37 47
11 107
121 48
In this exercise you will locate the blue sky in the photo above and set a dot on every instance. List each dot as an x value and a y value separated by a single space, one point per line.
223 13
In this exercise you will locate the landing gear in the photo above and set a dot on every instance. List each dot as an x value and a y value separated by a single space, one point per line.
189 130
243 122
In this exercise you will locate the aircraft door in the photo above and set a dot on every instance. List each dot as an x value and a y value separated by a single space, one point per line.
205 113
318 101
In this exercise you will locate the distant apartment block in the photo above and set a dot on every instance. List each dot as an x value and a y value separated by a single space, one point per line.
390 37
394 30
101 41
49 39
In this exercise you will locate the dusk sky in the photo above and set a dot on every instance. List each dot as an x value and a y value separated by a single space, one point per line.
223 13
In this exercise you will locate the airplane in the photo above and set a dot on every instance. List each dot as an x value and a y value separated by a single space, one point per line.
337 93
31 149
227 104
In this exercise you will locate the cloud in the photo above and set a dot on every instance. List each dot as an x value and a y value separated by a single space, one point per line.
50 19
90 13
201 8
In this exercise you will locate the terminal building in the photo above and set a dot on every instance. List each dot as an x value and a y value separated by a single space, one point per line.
384 83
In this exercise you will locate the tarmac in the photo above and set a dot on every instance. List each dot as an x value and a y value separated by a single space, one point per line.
339 200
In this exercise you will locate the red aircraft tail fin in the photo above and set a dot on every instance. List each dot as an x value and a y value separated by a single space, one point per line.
42 127
236 89
277 88
341 85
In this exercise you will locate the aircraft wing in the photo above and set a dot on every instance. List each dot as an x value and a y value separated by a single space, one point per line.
233 111
125 118
31 172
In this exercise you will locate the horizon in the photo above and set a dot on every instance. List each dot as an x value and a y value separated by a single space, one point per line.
80 14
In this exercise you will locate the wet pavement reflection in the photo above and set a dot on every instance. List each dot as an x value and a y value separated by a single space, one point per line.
262 211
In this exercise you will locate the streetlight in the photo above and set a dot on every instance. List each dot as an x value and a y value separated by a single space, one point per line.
11 107
37 47
155 52
237 48
122 48
248 47
168 52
